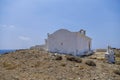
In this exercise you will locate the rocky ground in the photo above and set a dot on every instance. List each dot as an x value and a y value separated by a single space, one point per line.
41 65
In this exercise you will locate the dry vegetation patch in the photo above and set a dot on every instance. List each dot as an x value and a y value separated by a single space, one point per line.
10 65
73 58
117 56
117 71
90 63
42 65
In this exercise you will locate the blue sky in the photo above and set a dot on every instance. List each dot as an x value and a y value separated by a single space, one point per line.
24 23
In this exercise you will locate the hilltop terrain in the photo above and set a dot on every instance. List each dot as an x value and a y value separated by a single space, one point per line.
33 64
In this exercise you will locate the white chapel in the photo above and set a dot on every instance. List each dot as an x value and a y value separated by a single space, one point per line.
67 42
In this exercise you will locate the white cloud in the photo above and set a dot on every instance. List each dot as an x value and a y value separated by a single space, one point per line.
7 26
24 38
3 26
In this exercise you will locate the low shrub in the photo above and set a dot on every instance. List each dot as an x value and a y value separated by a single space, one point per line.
117 71
57 57
73 58
90 63
63 64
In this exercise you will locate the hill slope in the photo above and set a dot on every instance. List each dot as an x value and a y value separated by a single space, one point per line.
41 65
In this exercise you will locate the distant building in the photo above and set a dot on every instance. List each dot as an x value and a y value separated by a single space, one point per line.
64 41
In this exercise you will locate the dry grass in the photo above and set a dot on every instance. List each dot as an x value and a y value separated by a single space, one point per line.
98 56
37 64
63 64
117 56
41 65
82 67
9 65
117 59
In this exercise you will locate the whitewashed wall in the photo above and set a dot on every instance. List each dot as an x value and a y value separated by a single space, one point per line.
64 41
83 43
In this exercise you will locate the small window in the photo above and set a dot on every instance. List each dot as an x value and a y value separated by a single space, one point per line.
61 43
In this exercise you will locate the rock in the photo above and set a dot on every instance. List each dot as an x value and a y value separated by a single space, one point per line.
79 78
76 65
